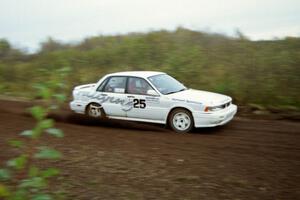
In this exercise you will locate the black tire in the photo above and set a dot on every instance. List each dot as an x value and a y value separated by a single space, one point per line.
94 110
181 120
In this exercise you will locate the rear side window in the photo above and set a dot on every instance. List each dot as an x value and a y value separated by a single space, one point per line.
115 84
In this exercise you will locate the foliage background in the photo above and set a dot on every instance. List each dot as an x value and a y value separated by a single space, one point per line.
265 73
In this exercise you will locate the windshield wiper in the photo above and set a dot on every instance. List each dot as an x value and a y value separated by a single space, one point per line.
176 91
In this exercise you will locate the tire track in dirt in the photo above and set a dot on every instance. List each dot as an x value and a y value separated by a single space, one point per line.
111 159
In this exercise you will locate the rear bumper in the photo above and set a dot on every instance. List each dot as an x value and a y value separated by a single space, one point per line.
214 118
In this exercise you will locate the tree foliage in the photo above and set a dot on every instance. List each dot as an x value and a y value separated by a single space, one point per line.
260 72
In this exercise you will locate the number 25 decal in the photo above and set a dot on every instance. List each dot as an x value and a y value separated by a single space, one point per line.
139 103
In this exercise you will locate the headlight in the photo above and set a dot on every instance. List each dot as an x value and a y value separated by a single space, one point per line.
217 108
213 108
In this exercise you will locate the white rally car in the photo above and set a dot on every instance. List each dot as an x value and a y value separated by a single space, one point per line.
155 97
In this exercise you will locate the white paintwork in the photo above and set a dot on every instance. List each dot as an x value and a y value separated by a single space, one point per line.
158 107
142 74
206 98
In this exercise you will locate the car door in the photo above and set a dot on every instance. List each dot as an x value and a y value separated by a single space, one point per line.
111 95
146 102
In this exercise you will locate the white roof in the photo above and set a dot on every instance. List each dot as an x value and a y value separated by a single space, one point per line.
143 74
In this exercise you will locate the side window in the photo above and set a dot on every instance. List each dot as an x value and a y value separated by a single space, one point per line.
138 86
115 84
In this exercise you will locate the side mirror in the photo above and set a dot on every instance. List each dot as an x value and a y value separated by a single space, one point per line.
152 93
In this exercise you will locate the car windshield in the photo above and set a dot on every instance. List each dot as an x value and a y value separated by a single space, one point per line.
166 84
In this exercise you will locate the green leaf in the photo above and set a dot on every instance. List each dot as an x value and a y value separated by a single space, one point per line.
47 153
33 171
41 197
20 194
43 90
60 97
4 174
38 112
46 123
27 133
34 182
18 162
55 132
3 191
50 172
16 143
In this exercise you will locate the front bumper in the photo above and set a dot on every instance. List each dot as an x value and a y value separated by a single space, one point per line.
78 106
212 119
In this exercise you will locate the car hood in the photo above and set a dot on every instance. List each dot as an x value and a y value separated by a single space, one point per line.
204 97
85 87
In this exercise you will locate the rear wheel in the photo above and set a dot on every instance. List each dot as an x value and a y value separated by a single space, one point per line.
94 110
181 120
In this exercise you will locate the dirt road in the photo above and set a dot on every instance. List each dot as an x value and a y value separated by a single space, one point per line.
246 159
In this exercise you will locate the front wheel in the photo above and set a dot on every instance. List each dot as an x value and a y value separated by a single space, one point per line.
181 121
94 110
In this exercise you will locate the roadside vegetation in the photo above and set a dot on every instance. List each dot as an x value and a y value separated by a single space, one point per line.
265 74
23 177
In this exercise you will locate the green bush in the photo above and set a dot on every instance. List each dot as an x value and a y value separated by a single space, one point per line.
22 178
259 72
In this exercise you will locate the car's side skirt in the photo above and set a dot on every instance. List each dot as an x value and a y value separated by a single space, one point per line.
138 119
